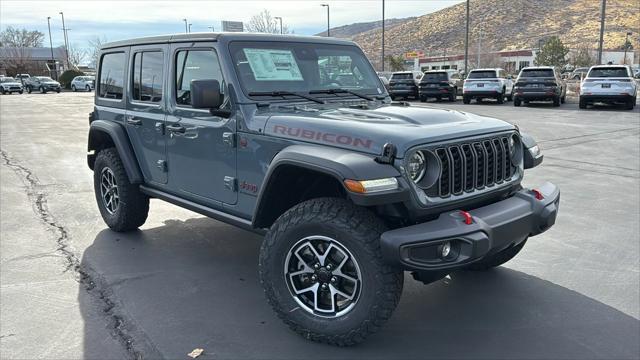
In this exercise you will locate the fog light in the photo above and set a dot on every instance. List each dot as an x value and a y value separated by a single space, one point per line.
446 249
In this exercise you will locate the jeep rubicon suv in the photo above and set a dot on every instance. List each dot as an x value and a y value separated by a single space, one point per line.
349 188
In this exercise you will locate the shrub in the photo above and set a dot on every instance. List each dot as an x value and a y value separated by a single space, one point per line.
67 76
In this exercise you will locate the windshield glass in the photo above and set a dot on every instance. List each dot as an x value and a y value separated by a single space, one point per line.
403 76
302 67
7 79
609 72
487 74
44 78
435 76
537 73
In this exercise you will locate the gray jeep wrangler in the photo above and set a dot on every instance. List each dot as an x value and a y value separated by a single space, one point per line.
296 138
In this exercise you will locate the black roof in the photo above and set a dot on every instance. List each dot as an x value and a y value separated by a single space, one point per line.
229 36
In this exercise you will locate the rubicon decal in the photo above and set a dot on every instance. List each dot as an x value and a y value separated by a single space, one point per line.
327 137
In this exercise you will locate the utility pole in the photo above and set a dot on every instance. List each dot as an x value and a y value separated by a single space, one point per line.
53 60
280 19
186 28
190 27
466 44
626 46
66 40
382 35
479 45
327 6
603 9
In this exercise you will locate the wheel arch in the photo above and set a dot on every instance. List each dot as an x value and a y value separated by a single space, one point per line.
105 134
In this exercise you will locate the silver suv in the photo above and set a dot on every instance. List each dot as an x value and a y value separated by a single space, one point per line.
82 83
611 84
487 84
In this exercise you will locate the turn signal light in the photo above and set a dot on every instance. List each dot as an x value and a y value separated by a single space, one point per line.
371 186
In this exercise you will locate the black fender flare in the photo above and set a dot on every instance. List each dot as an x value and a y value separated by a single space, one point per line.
118 135
340 164
528 142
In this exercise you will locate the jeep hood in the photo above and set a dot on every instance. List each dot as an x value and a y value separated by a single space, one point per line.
368 130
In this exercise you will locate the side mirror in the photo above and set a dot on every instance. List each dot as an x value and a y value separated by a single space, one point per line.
205 94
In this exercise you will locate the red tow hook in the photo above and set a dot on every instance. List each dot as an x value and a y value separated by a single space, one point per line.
467 217
537 194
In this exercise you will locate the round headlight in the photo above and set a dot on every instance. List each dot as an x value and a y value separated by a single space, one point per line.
416 166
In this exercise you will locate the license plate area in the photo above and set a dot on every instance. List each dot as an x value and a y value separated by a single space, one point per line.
480 85
606 86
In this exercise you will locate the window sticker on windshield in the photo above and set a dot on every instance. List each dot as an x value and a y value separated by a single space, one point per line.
273 65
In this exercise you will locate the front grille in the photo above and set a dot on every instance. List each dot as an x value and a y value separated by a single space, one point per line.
473 165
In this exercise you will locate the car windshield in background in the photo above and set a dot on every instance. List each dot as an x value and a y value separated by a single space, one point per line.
269 68
407 76
7 79
609 72
537 73
44 78
439 76
482 74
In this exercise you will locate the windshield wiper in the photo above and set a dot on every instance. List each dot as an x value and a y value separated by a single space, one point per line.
285 93
340 91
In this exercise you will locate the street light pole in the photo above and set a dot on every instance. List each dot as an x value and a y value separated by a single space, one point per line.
626 46
279 19
327 5
479 45
190 27
53 60
186 29
66 40
466 43
382 35
212 28
603 9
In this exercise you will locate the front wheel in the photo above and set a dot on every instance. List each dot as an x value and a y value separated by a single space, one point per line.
500 98
73 88
322 272
122 206
42 90
29 90
88 88
498 259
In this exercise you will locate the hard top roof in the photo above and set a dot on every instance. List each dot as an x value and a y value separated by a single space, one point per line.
228 36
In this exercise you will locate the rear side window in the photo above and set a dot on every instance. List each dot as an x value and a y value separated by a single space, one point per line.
195 65
482 74
407 76
112 76
609 72
147 76
440 76
537 73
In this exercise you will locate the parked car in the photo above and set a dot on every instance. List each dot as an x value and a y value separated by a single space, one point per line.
10 85
22 78
487 84
42 84
539 83
348 197
578 73
385 81
611 84
404 84
82 83
440 84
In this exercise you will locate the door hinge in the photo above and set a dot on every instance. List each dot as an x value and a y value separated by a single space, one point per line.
229 138
230 183
162 165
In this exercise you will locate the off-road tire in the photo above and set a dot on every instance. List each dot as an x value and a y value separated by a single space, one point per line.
497 259
466 100
582 104
358 230
133 206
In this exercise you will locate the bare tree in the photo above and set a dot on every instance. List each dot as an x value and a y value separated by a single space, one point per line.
263 22
20 38
94 50
76 55
16 60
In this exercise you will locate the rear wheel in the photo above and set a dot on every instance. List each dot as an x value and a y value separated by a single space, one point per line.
631 104
322 272
582 104
88 88
4 92
29 89
122 206
516 102
497 259
42 90
556 101
423 98
563 99
500 97
466 99
510 96
452 96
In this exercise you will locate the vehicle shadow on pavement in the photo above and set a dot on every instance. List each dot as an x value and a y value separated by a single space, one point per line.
193 284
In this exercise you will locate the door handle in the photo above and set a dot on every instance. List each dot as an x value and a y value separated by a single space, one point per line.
131 120
175 128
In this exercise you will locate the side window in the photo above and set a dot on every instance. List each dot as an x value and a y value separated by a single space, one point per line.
147 76
195 65
111 76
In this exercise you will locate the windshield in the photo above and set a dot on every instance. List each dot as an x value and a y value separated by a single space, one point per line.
7 79
302 67
537 73
435 76
44 78
402 76
609 72
488 74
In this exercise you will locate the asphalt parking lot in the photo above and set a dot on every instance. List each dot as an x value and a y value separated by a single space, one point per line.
71 288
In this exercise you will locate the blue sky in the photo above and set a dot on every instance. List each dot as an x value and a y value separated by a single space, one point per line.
115 20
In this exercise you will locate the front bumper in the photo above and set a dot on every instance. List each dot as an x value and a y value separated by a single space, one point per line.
494 227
